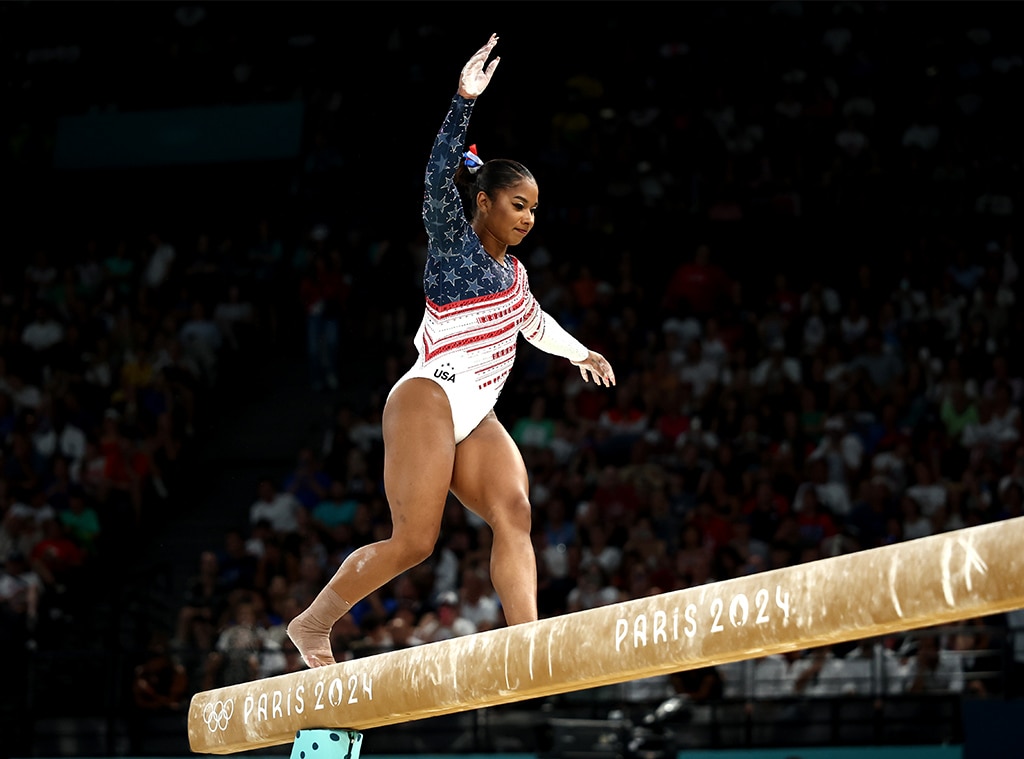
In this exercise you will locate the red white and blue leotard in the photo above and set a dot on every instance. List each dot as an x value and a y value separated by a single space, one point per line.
475 307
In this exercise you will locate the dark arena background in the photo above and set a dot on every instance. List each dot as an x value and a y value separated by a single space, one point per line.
792 227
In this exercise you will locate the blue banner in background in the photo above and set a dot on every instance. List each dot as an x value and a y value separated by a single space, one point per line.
218 134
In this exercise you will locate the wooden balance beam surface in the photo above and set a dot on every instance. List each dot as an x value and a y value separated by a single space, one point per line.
937 579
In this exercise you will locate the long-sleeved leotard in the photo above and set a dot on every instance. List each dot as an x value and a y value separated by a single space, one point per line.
476 307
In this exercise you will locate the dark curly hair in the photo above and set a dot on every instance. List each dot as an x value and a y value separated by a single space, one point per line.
495 174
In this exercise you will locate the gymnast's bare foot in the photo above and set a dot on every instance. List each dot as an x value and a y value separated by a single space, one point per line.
312 640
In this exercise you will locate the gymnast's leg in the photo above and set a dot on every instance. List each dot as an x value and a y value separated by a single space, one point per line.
419 452
490 479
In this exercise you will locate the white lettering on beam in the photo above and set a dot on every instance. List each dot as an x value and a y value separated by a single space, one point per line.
284 703
719 615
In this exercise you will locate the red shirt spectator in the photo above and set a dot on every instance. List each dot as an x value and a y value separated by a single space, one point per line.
698 283
716 528
324 291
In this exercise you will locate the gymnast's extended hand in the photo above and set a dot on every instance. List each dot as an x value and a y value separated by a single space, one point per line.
475 75
598 367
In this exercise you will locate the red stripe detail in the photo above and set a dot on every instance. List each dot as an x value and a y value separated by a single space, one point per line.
429 353
529 317
495 381
495 365
480 300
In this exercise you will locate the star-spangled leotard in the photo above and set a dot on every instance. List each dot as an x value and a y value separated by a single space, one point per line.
476 307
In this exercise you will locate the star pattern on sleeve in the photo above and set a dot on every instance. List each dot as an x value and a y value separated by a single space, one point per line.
457 267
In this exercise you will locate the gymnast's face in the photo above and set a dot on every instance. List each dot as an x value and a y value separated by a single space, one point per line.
507 216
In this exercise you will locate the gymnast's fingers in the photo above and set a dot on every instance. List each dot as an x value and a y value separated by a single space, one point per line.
609 373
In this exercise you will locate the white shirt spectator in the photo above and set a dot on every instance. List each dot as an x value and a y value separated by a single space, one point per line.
647 690
701 375
995 430
159 265
830 300
851 140
232 313
20 588
580 599
859 105
931 497
715 350
273 660
737 678
41 273
200 330
42 333
591 591
447 623
366 433
946 309
202 340
870 669
890 464
915 523
771 677
281 509
1015 626
945 675
607 557
24 395
776 368
837 39
921 136
842 451
90 272
99 372
556 560
484 613
994 204
853 327
836 497
684 330
814 334
446 571
69 442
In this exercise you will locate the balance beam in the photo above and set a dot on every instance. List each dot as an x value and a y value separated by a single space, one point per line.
919 583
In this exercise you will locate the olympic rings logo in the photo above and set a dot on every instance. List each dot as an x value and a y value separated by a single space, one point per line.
217 714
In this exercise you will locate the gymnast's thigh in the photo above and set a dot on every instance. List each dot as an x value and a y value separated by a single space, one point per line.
489 476
419 454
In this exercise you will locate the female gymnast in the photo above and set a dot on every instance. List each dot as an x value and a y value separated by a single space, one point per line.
440 430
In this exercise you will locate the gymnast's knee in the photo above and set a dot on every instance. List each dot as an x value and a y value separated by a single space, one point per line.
415 546
513 515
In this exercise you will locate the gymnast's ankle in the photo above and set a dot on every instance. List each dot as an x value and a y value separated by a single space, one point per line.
310 630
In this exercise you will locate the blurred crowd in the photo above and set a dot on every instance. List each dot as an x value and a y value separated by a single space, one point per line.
796 247
110 356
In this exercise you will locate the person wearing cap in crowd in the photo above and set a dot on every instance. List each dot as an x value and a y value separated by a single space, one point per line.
447 622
